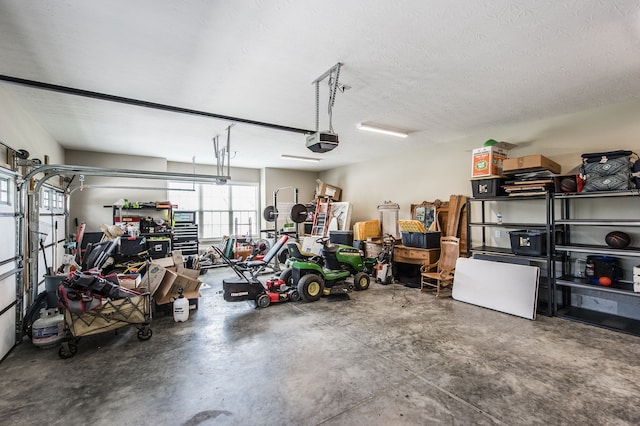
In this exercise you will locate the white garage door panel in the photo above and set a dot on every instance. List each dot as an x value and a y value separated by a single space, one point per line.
7 276
8 246
7 287
8 325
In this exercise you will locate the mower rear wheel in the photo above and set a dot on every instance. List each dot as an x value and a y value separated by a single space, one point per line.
310 287
361 281
294 295
287 276
263 301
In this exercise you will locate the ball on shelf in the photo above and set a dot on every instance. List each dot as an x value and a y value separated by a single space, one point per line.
604 281
569 185
617 239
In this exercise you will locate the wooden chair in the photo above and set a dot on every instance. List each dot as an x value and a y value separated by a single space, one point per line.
439 275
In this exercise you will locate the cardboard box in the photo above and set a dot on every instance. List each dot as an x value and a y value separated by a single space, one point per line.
372 248
367 229
165 262
130 281
178 259
530 163
487 161
156 277
325 190
191 289
191 273
164 283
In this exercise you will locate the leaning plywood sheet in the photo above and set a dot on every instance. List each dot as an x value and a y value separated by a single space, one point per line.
505 287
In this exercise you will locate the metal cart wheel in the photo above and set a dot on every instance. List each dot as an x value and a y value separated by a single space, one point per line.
144 334
67 350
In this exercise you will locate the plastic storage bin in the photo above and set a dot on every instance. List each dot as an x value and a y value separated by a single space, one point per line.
424 240
489 187
131 246
159 247
341 237
530 242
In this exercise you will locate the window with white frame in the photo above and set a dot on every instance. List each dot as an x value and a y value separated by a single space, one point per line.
230 209
46 199
60 202
4 191
51 199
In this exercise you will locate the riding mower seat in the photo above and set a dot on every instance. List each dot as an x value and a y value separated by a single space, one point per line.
295 251
329 253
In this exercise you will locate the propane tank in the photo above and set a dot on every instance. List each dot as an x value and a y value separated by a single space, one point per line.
180 307
48 330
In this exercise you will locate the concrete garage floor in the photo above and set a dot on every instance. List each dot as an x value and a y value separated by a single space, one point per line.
386 356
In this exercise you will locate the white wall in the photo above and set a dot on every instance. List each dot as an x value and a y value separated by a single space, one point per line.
436 170
20 131
88 205
238 174
283 181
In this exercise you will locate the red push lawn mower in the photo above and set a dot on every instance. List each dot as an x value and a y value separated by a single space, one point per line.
247 287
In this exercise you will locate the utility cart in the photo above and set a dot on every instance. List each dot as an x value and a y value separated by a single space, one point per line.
94 304
109 315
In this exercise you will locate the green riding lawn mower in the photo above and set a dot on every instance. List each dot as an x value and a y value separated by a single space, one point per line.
330 273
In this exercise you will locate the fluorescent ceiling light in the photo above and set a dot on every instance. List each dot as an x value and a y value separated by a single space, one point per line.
295 157
383 129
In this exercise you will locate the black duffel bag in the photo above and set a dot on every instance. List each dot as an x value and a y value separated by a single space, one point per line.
608 171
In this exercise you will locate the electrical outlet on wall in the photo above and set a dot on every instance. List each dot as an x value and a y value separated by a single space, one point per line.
498 233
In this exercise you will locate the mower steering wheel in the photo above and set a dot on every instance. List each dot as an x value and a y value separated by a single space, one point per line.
323 240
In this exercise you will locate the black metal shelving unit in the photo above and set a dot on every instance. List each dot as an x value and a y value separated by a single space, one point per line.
546 286
158 242
568 283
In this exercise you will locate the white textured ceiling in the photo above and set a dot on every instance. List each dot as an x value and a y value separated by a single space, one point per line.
443 68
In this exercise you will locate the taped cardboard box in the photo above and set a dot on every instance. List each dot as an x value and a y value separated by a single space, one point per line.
323 189
529 163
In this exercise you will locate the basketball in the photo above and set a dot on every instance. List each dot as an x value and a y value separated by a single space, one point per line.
568 185
605 281
617 239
